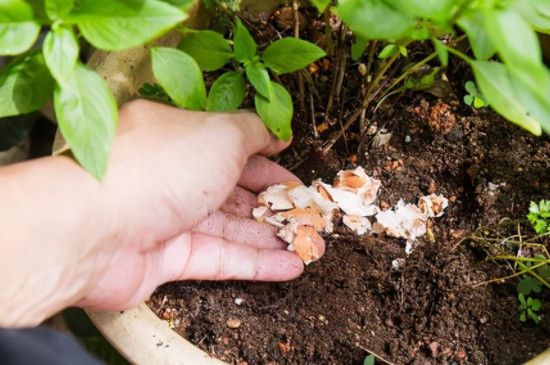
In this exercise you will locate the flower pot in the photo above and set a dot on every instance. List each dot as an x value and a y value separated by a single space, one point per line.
138 334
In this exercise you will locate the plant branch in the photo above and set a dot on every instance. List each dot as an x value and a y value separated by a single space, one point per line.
515 275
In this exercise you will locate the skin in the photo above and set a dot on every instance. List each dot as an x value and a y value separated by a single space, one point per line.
175 205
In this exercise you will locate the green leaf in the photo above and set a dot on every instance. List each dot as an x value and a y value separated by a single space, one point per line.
522 317
516 43
471 87
494 81
208 48
359 47
114 25
535 12
532 87
291 54
440 10
479 102
39 10
259 78
369 360
227 93
425 82
535 304
376 19
61 52
321 5
473 24
544 271
25 86
184 5
87 117
277 113
469 100
180 76
18 27
522 301
528 285
442 52
58 9
244 45
388 51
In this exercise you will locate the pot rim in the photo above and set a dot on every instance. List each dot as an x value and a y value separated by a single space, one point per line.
140 336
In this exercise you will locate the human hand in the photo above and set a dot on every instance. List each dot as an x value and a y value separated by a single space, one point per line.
183 185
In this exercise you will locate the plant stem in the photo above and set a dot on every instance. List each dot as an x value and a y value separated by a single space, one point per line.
301 88
420 64
515 275
535 274
461 55
384 67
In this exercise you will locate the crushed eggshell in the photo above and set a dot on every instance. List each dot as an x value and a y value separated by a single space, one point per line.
433 205
276 198
308 244
288 233
359 225
301 213
404 221
409 221
349 202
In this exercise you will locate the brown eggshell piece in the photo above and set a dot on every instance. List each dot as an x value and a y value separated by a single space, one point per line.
308 244
305 217
352 182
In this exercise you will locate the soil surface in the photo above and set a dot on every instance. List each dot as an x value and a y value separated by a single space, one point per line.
354 302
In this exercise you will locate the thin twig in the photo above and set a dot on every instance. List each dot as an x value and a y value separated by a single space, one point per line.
373 45
313 119
335 76
328 146
343 130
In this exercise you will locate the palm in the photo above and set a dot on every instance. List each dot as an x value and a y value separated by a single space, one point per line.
227 245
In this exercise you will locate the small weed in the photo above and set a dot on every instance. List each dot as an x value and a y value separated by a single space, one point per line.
539 216
474 97
525 254
528 308
369 360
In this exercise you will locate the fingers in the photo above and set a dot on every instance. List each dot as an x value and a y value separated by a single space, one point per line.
240 203
260 173
242 230
214 258
257 138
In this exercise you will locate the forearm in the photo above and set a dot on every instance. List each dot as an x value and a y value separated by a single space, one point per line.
50 222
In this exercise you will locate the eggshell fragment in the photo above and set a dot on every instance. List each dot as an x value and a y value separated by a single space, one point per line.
308 244
359 225
358 182
406 221
433 205
288 232
349 202
259 213
304 217
276 197
301 212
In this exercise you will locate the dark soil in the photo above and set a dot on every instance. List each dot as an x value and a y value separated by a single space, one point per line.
353 302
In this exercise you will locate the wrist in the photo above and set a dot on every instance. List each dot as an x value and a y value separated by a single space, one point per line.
54 201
